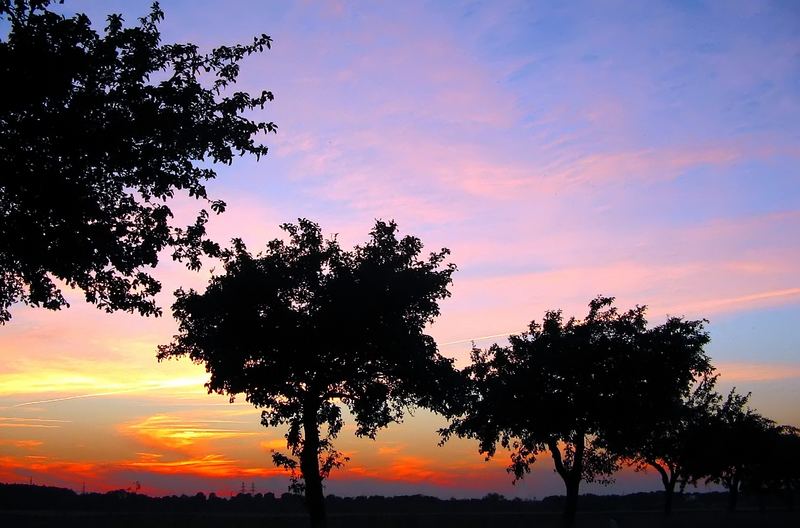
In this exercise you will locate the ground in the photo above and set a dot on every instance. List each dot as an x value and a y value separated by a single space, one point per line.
680 519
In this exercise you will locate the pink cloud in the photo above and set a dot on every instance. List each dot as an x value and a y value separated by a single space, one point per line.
733 371
697 281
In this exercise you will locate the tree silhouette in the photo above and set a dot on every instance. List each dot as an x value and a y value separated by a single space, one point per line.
731 446
668 443
780 471
98 133
306 328
556 388
668 395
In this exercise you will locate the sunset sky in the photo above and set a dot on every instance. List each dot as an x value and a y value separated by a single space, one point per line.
645 150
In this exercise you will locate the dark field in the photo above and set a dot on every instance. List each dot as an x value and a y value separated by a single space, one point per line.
638 519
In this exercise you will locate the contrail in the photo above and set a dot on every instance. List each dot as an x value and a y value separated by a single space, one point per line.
65 398
19 419
145 386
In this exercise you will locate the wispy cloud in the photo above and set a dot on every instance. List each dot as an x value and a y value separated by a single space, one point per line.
66 385
170 432
211 465
40 423
739 371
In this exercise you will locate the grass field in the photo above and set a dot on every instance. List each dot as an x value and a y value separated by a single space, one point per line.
637 519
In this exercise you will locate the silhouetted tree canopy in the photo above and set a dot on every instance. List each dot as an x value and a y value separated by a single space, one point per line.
733 445
98 132
305 328
779 472
570 386
669 443
670 394
553 389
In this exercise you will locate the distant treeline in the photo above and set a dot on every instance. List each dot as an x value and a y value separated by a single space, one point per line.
16 497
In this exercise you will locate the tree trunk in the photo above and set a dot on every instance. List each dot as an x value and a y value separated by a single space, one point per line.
733 492
571 506
669 493
668 479
571 476
309 465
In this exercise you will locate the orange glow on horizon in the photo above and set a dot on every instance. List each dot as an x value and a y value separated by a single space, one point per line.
212 465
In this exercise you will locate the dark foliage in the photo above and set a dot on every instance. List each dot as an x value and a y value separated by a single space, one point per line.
306 327
570 387
551 390
668 442
732 447
671 395
778 473
97 133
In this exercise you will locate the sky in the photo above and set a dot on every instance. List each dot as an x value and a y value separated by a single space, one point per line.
645 150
